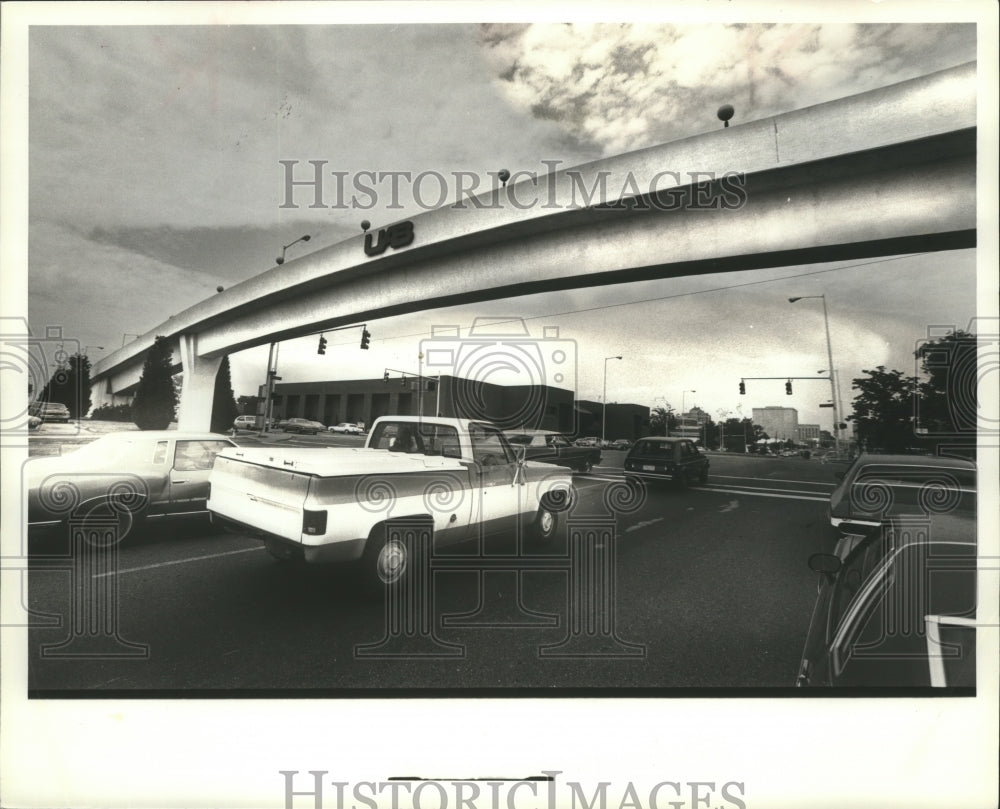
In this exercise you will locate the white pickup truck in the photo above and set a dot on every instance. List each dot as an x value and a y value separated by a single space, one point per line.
455 477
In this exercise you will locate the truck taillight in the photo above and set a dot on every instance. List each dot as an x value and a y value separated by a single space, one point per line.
314 522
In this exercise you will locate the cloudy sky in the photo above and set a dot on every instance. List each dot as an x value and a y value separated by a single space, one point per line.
155 177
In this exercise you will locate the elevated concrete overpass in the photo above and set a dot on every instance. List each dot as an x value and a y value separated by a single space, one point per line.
885 172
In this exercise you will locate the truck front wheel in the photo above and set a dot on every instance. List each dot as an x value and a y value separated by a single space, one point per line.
546 523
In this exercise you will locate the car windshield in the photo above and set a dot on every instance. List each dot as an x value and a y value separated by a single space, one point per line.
519 438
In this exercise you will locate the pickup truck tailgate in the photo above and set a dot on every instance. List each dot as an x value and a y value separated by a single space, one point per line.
265 497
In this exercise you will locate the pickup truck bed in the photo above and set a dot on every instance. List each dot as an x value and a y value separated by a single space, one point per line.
336 504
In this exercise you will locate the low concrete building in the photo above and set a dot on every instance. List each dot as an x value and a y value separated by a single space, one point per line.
361 401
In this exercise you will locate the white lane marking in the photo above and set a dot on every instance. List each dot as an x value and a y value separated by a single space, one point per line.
710 487
643 524
174 562
762 493
618 479
777 480
732 505
726 477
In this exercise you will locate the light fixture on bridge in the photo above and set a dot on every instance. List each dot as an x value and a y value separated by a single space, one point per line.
219 288
365 224
726 112
503 176
281 259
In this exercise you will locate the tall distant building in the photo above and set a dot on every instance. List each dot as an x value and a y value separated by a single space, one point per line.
778 422
691 424
809 432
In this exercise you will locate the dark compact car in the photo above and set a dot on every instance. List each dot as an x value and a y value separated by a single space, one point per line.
896 605
49 411
301 426
656 458
552 447
876 487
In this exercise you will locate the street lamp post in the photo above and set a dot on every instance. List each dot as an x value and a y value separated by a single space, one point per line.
272 356
604 398
99 348
829 356
281 259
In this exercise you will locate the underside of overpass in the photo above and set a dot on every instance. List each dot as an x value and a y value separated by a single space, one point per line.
886 172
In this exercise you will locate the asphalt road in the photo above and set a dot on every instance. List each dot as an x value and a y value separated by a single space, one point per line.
710 589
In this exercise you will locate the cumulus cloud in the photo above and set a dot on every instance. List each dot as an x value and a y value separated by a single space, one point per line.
621 87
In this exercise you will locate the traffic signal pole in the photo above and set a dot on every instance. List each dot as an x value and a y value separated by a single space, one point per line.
788 390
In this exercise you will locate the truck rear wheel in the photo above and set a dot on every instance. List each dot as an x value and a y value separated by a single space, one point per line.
388 557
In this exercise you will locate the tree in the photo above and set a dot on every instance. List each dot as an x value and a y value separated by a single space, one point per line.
883 410
947 401
70 385
224 409
662 420
155 400
247 405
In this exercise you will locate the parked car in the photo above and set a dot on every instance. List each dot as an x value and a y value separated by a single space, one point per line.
547 446
586 441
876 487
621 444
301 426
49 411
449 478
129 475
245 423
896 606
346 428
658 458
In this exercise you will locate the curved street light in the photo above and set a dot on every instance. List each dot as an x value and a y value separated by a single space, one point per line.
829 356
281 259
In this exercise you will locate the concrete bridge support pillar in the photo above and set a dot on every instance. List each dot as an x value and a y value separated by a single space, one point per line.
198 387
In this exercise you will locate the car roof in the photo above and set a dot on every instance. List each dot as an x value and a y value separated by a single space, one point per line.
664 439
917 460
532 432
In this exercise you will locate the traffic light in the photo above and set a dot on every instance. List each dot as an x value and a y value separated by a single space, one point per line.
788 388
743 388
385 377
365 338
321 348
402 382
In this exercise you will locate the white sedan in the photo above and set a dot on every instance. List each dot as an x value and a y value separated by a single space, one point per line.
346 428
